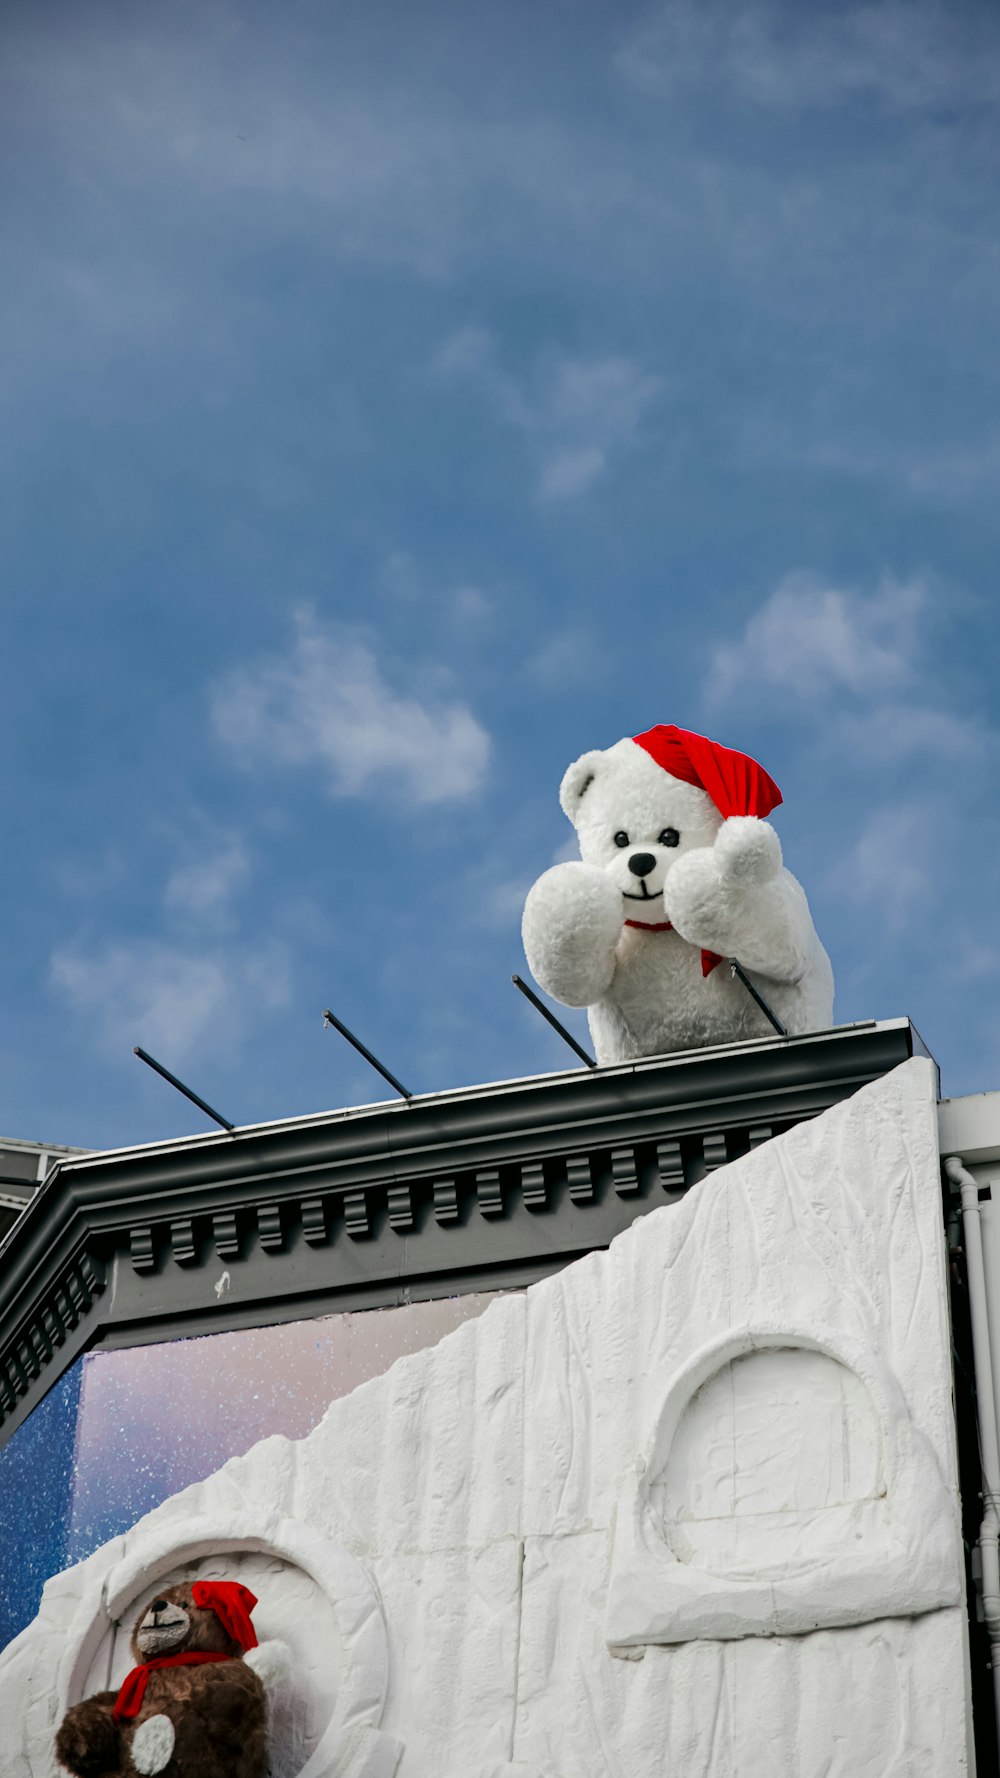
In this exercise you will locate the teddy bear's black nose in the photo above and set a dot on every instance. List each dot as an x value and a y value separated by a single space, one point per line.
641 863
158 1605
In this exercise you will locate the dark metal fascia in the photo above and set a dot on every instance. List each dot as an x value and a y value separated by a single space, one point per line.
438 1132
584 1107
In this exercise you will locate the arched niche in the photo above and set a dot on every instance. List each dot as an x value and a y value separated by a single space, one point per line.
293 1608
784 1488
312 1594
774 1460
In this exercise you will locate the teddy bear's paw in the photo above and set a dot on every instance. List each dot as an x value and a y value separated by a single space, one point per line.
573 920
152 1745
89 1739
271 1661
695 897
575 897
747 850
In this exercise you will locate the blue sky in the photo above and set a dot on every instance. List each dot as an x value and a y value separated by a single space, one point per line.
399 400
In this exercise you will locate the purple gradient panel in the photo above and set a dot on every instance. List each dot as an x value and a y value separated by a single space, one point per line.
153 1419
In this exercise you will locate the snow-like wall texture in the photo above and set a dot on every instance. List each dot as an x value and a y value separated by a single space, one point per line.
688 1507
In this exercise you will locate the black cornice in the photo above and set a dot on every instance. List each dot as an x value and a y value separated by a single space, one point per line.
475 1189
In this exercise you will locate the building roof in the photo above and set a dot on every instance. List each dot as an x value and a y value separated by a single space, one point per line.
23 1166
481 1188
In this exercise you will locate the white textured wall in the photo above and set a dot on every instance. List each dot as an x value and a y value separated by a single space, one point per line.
627 1453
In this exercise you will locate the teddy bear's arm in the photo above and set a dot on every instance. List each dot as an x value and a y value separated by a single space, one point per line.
775 935
735 897
226 1709
572 923
89 1739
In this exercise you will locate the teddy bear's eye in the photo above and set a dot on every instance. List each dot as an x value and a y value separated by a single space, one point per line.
670 837
621 837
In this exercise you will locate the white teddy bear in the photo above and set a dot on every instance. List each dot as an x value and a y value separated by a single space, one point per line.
680 875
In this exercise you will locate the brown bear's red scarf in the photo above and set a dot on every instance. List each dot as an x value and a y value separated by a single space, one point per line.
129 1700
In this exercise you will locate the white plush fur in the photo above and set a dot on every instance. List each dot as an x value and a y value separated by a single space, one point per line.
722 886
152 1745
271 1661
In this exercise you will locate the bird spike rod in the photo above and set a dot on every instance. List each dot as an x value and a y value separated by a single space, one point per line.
330 1018
158 1068
566 1036
738 970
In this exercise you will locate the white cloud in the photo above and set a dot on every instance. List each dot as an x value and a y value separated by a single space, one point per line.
221 119
327 703
91 876
575 413
605 395
809 639
898 731
471 608
469 349
204 886
571 472
568 852
200 109
401 579
569 658
862 661
464 606
167 997
894 863
874 449
905 55
946 473
501 905
973 961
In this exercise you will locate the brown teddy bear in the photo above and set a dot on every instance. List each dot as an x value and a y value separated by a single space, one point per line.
191 1708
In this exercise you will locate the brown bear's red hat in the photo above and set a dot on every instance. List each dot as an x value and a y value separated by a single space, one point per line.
232 1603
736 784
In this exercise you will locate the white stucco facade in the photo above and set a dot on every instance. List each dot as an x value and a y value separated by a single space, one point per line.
688 1507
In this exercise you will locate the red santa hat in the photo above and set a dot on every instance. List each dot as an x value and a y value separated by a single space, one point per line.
736 784
232 1603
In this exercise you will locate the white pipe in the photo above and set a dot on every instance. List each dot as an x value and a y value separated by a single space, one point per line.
989 1446
988 1208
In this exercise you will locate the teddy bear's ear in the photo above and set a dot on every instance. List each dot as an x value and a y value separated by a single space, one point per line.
577 780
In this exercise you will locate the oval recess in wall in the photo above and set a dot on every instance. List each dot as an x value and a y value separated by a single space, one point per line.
775 1461
785 1488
